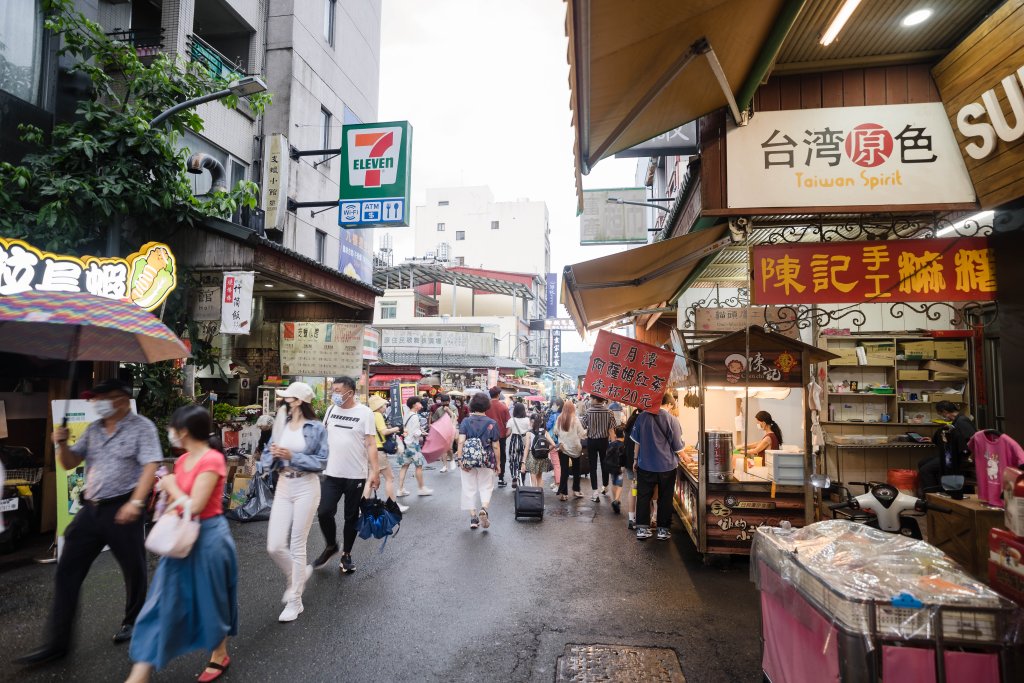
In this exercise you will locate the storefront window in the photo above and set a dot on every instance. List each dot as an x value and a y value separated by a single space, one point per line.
21 48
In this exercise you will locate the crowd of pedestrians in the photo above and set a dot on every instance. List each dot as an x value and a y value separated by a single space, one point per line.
320 464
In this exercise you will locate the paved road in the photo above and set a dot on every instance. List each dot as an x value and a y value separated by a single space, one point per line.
441 603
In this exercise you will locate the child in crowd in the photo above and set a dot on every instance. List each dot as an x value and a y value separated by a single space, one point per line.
614 462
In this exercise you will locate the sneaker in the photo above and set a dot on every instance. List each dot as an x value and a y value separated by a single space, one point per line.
616 506
596 498
444 469
403 508
474 522
642 533
485 519
425 492
502 483
664 534
402 493
325 557
554 488
347 566
577 494
291 611
563 498
604 490
631 524
515 484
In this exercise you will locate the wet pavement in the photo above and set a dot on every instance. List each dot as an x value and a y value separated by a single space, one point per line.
445 603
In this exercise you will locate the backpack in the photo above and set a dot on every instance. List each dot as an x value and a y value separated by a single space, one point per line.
476 454
541 446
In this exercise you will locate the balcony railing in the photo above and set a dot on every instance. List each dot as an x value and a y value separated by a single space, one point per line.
217 64
146 41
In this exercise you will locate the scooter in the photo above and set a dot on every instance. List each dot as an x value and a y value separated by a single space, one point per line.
885 507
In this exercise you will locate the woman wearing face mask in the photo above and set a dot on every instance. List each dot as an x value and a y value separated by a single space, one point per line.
772 439
192 602
298 449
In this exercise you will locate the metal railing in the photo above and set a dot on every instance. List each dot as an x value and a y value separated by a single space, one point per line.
217 64
146 41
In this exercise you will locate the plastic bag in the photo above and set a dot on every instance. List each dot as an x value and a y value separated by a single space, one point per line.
257 505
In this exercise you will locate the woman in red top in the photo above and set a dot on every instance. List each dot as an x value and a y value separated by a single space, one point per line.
192 602
772 439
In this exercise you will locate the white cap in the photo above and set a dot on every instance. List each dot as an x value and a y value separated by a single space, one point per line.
299 390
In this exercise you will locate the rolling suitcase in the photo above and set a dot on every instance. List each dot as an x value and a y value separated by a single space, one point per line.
529 502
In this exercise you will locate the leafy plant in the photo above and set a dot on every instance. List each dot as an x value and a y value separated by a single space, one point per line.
222 412
108 169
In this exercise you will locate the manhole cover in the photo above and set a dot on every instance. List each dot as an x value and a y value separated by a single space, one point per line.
586 663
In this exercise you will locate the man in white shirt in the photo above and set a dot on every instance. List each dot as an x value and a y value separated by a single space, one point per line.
352 459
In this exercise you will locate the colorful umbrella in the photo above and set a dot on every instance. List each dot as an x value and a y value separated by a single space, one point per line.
74 326
439 439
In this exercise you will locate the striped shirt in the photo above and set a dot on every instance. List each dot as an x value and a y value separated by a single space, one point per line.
599 421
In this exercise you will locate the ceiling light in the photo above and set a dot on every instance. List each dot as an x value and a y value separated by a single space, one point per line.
917 17
301 295
839 22
268 284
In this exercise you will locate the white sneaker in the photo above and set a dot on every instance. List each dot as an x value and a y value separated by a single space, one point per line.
425 492
554 487
402 493
595 497
403 508
444 469
604 490
291 611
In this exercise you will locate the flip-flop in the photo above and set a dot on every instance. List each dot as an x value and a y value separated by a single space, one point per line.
221 668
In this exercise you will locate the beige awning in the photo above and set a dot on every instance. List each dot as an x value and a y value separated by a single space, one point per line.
606 289
638 68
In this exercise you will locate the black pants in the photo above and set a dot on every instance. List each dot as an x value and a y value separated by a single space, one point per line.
646 482
501 459
929 474
331 491
91 530
597 449
563 485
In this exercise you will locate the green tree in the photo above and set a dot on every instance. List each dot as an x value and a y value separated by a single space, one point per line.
107 169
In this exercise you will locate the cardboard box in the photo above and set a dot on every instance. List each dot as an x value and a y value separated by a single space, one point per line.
879 353
1006 563
916 350
942 366
937 396
847 356
948 377
951 350
877 359
1013 498
913 374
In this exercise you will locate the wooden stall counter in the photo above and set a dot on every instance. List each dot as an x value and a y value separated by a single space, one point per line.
963 533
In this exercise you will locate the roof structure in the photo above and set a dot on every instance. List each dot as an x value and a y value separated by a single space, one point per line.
411 275
445 360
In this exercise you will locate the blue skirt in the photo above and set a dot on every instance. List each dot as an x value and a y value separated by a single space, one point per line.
192 603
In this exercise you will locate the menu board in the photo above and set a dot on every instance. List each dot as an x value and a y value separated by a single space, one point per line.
322 349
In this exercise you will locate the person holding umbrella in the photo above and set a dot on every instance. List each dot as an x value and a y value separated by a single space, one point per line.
121 452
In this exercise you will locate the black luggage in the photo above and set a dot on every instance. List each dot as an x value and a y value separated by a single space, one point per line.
529 501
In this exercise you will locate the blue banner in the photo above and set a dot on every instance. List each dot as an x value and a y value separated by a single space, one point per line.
552 295
354 257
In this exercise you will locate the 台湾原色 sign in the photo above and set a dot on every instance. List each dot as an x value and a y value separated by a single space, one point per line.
375 174
899 154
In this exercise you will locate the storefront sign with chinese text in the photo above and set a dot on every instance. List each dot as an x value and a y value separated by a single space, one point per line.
322 349
205 303
236 303
605 222
775 368
371 344
275 186
145 277
628 371
438 341
731 319
551 292
954 269
556 348
898 154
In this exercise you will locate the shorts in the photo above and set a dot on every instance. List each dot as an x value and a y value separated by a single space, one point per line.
616 479
413 455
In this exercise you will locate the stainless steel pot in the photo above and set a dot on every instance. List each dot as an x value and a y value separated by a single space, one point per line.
718 451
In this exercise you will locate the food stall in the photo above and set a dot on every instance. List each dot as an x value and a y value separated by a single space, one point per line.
721 496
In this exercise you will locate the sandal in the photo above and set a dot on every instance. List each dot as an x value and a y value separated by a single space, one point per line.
220 668
485 519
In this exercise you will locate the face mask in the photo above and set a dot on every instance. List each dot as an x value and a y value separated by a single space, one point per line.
173 439
105 408
337 399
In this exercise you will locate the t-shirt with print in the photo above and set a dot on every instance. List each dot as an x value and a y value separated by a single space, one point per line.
992 455
347 429
211 461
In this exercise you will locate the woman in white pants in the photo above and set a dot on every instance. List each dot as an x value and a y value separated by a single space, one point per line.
478 433
298 448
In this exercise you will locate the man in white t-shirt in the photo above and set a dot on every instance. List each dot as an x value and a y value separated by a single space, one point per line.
351 460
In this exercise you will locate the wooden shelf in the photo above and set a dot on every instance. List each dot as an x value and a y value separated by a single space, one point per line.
901 444
884 424
887 366
860 394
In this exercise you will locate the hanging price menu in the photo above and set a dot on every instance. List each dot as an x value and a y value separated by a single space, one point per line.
322 349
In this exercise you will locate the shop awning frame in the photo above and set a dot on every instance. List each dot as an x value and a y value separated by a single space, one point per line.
418 274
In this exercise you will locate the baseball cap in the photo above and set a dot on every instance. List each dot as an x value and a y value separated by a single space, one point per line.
299 390
108 385
376 403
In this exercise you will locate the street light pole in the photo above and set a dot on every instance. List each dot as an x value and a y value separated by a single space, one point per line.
616 200
250 85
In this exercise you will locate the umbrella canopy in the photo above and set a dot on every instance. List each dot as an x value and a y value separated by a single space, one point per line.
455 393
74 326
439 439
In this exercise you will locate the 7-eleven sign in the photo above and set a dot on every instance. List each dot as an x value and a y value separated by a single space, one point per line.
375 174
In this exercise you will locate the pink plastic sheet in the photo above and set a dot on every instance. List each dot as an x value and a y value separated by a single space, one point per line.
798 648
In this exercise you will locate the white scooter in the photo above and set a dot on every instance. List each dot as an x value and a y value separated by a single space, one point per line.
885 507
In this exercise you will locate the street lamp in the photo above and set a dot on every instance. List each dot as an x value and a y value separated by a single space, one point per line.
616 200
244 87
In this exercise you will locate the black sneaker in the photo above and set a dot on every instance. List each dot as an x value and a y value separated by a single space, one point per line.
325 557
631 524
664 534
616 506
347 566
124 634
502 483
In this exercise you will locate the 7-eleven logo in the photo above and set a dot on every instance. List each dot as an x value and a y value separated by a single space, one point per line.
373 156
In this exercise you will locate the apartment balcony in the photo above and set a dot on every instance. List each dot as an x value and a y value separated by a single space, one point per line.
148 42
216 63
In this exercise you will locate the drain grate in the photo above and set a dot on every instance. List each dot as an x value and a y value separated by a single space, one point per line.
594 663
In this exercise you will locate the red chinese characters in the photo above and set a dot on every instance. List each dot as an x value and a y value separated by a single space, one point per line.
628 371
955 269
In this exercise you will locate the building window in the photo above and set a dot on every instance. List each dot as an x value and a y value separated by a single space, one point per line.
321 246
460 235
494 225
388 310
21 49
329 7
325 132
440 227
443 202
460 260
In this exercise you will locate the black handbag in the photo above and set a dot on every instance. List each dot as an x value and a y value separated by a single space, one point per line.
390 444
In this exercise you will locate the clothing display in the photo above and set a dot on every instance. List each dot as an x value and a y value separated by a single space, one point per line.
993 452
